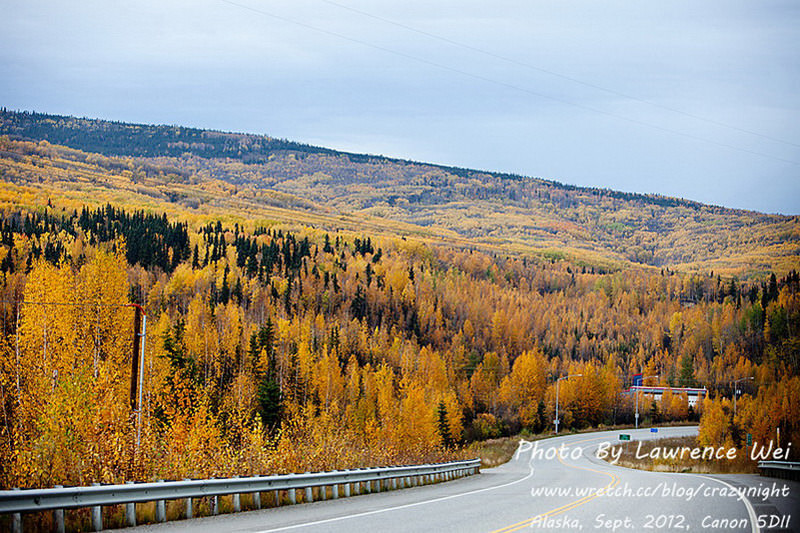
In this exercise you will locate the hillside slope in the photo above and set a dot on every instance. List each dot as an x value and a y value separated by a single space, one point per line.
297 332
516 213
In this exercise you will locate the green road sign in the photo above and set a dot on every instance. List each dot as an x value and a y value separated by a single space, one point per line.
749 439
624 436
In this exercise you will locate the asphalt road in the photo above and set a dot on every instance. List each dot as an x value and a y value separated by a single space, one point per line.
554 485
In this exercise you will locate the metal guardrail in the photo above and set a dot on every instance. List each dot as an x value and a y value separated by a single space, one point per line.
781 469
19 501
784 465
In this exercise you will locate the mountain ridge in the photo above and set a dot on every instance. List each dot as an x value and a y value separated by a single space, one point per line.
494 210
18 124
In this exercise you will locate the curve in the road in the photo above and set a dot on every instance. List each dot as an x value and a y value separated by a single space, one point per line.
569 506
398 507
578 487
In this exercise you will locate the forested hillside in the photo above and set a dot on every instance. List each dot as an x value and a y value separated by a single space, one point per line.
284 334
513 212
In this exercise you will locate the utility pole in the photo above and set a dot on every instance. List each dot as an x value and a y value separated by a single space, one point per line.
556 421
137 367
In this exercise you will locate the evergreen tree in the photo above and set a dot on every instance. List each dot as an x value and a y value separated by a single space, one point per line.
225 291
444 427
270 404
687 371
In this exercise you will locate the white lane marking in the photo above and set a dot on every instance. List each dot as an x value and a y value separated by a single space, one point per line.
406 506
752 512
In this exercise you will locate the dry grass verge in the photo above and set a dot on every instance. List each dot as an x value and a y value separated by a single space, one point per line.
494 452
638 455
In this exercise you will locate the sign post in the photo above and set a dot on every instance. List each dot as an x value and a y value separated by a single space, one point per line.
625 437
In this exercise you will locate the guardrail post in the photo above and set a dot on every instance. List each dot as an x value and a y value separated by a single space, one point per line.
215 505
16 519
189 510
347 490
58 516
292 496
161 508
394 483
237 503
257 500
97 515
276 495
335 492
130 511
309 495
377 485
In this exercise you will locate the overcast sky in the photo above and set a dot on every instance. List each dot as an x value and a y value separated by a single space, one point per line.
690 98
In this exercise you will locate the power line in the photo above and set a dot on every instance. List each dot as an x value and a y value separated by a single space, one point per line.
505 84
558 74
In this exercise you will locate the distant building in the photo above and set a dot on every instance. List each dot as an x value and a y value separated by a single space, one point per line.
693 394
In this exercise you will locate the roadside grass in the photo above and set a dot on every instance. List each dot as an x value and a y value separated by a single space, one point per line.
647 455
495 452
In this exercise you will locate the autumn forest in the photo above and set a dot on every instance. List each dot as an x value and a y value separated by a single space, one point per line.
301 314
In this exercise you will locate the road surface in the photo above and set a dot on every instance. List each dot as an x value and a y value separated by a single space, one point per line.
554 485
